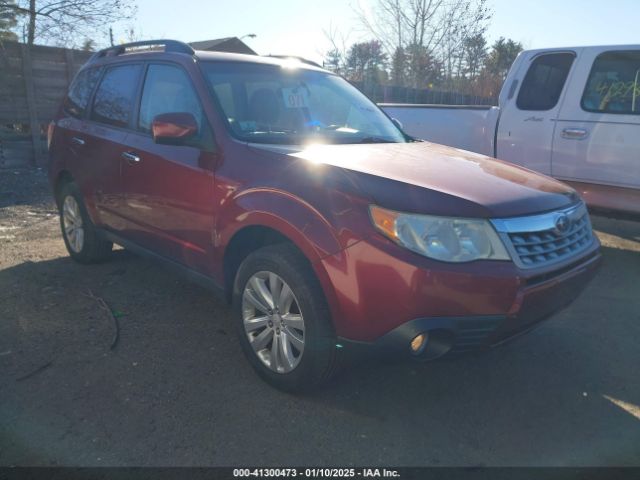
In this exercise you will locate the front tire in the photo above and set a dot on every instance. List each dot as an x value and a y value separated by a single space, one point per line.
283 320
83 242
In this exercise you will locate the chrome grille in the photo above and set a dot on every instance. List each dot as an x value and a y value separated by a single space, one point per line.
541 240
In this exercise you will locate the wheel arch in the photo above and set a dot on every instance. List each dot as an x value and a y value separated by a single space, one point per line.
276 216
246 240
253 236
62 178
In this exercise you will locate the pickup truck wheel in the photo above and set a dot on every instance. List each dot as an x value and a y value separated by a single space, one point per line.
83 242
283 320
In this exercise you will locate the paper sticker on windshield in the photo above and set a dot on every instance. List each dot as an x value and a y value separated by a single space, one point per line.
295 97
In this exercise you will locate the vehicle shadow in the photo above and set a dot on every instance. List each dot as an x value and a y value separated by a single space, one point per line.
627 228
177 387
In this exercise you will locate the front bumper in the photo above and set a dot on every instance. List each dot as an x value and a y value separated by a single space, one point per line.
536 299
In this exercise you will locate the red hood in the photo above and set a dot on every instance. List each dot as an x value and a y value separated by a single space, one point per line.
405 176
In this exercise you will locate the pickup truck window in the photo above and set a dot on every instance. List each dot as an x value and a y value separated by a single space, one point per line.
544 81
613 85
265 103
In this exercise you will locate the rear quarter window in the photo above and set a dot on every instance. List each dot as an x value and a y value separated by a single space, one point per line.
77 101
613 85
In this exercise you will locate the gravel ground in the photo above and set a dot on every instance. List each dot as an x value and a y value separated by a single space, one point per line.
176 389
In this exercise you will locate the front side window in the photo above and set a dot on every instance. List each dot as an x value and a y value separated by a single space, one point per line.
613 85
167 89
287 104
114 97
75 104
544 81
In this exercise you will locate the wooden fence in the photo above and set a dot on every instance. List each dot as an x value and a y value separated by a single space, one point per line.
33 82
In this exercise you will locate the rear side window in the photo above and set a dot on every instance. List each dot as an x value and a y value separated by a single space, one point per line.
544 81
114 97
613 85
76 102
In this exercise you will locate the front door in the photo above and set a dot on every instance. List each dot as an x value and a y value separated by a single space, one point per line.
167 189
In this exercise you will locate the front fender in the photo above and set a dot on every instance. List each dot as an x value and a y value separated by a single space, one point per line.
317 234
291 216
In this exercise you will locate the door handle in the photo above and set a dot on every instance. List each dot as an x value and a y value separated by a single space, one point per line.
131 158
77 141
574 133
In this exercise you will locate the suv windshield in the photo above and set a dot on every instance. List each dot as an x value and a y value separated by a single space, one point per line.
289 105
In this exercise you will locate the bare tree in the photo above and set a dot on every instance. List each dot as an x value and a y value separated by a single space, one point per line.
335 58
465 20
398 23
430 29
67 21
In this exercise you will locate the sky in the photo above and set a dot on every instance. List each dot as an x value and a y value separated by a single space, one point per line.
296 27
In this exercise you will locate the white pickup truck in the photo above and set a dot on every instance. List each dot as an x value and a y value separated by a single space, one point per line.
572 113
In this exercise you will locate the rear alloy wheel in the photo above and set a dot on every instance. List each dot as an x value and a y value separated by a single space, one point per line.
283 319
72 223
84 243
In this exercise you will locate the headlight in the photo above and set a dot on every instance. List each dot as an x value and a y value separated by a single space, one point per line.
449 239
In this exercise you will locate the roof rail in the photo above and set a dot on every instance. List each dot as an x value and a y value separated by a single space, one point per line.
300 59
169 46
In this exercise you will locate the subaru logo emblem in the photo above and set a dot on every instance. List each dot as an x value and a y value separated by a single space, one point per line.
562 224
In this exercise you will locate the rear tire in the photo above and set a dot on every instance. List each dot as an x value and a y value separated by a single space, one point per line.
283 319
83 241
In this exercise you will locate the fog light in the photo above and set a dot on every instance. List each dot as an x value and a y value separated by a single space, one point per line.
418 343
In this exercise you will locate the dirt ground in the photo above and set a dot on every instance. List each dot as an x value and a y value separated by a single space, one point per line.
176 390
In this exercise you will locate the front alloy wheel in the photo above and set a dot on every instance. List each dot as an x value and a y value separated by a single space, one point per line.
283 319
273 322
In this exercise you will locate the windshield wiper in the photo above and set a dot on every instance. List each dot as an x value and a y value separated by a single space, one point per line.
276 132
375 140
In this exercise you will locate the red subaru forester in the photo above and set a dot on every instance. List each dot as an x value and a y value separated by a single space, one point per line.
289 192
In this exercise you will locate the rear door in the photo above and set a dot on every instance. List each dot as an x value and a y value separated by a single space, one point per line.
168 189
527 122
72 134
598 135
103 137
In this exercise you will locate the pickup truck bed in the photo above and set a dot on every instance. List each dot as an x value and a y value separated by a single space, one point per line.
468 127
